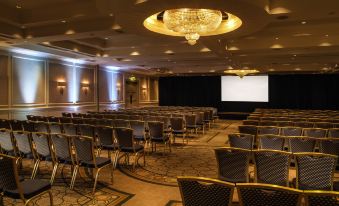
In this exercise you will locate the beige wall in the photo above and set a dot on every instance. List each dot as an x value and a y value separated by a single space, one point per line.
29 85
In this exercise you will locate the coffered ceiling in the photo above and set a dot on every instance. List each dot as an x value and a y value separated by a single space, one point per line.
290 36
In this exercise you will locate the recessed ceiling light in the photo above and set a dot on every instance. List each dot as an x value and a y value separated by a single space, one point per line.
303 22
111 14
169 52
212 70
326 35
135 53
18 7
325 68
294 55
205 49
302 34
297 69
190 71
106 38
276 38
271 70
126 60
325 44
63 21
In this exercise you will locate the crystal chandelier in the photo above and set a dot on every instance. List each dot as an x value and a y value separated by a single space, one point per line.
192 22
241 72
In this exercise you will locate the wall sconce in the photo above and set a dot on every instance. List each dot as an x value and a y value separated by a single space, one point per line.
118 87
61 86
85 87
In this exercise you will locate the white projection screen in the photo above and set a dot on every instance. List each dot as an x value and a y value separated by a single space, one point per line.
247 89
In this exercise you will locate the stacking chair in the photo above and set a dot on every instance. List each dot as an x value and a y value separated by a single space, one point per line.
89 121
139 131
271 142
24 144
329 146
43 150
191 122
248 129
16 125
268 123
200 121
41 127
108 142
268 130
257 194
25 190
121 123
301 144
239 140
304 124
7 145
233 164
62 150
333 133
315 171
85 157
65 120
285 123
291 131
28 126
272 167
250 122
86 130
70 128
66 114
315 132
323 125
77 120
128 146
104 122
207 119
157 135
178 128
197 191
5 124
55 128
31 117
53 119
317 198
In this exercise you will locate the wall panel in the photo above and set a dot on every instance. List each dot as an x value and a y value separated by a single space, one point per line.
105 86
85 76
3 80
60 73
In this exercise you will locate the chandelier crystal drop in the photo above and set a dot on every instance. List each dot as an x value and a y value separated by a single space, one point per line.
192 23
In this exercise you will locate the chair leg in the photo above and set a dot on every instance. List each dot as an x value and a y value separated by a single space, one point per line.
55 169
74 176
35 169
96 180
50 197
112 169
135 160
144 158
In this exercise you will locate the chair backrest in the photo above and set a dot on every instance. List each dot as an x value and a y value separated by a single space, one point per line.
124 136
191 119
24 142
9 178
65 120
5 123
268 123
314 132
62 146
268 130
272 142
156 129
41 127
105 135
55 127
200 118
121 123
301 144
53 119
317 198
284 124
233 164
28 126
16 125
255 194
138 128
77 120
66 114
30 117
6 141
323 125
90 121
104 122
315 171
86 130
250 122
329 146
177 123
239 140
304 124
42 144
248 129
84 148
333 133
291 131
70 128
272 167
196 191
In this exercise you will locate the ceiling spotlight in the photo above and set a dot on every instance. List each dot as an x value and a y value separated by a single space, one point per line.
18 7
63 21
276 38
303 22
135 53
212 70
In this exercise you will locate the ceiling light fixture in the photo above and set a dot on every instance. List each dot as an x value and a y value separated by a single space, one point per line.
303 22
192 23
241 72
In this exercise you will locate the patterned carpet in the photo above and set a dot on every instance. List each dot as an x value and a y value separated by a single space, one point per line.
193 159
81 195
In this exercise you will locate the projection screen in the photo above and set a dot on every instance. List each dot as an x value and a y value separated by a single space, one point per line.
247 89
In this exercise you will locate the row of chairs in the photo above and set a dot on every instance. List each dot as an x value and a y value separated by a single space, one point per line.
324 125
293 144
197 191
289 131
291 119
314 171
